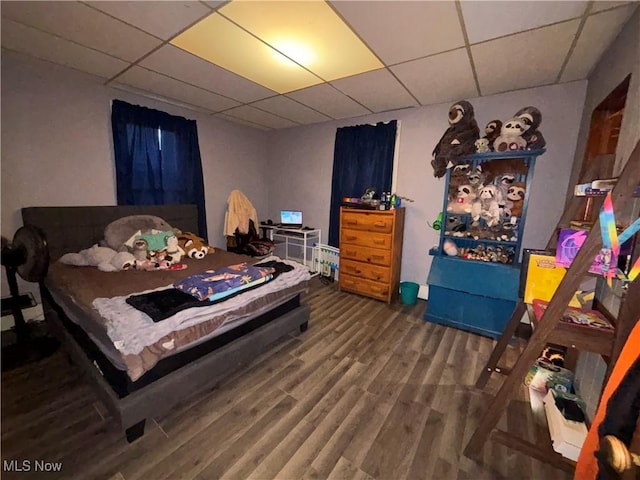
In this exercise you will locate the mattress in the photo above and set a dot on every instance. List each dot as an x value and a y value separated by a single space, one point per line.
80 291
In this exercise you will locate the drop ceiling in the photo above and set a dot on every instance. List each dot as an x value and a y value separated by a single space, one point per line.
412 53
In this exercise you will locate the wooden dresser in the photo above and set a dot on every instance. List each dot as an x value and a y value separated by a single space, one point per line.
371 252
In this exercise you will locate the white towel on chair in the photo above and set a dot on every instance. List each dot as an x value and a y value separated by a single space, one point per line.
239 212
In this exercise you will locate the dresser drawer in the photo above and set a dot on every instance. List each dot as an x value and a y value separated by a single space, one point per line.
364 287
365 254
369 221
365 239
365 270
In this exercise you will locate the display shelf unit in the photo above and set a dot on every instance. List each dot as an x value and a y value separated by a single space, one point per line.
469 291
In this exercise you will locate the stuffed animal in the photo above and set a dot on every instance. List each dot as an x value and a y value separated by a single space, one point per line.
173 252
487 206
140 249
463 201
482 145
458 177
123 230
515 194
496 168
193 246
532 118
476 178
492 130
458 140
511 136
105 258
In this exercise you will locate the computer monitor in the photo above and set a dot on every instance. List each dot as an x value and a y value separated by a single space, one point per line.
291 218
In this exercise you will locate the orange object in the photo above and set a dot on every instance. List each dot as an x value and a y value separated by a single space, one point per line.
587 466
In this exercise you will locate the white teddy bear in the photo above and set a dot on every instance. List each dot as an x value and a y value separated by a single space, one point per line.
105 258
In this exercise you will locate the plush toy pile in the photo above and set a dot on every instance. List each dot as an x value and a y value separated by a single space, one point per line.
141 242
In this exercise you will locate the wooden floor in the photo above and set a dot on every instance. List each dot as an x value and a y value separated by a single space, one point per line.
370 391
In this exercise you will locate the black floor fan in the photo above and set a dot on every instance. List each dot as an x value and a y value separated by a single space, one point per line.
28 256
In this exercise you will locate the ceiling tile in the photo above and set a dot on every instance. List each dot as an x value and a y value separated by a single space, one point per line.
486 20
539 55
20 38
253 115
162 19
398 31
181 65
439 78
326 99
239 121
287 108
598 33
215 4
379 91
154 82
605 5
84 25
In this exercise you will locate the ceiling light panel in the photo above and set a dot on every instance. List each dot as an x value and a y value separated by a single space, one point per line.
308 32
219 41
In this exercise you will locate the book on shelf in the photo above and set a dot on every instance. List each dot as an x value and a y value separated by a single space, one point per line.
543 277
567 436
576 316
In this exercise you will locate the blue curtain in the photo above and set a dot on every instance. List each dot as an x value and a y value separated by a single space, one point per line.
157 159
362 158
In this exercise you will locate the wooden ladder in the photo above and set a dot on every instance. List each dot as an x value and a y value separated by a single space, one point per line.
549 329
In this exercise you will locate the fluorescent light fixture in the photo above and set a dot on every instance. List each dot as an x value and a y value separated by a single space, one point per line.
281 45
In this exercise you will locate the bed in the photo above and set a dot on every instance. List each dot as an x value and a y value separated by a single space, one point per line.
169 368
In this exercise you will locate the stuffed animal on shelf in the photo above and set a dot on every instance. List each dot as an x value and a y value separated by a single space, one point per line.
532 118
482 145
463 201
511 136
458 178
476 178
458 140
515 194
487 206
492 130
193 245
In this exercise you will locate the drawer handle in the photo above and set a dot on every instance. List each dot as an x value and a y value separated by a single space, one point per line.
351 222
378 257
380 224
379 241
350 252
351 237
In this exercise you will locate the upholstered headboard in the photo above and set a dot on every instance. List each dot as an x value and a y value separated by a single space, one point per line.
71 229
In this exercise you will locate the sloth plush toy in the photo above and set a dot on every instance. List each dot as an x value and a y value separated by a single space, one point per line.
458 140
492 130
511 136
532 119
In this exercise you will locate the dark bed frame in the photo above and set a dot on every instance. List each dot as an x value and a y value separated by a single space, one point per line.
174 378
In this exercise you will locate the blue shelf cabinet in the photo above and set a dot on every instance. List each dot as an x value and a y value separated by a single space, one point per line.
479 295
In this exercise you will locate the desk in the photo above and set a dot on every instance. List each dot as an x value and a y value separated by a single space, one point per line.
297 243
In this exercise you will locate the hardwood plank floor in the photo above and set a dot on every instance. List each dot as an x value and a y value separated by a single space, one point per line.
369 392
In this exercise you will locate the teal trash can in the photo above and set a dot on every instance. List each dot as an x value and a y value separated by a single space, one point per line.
409 292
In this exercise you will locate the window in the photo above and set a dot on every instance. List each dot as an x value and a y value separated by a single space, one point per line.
157 159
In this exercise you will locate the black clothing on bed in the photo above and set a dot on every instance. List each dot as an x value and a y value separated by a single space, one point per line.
162 304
